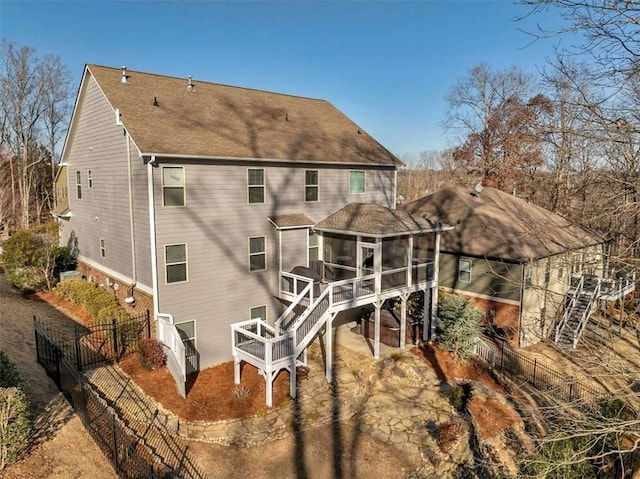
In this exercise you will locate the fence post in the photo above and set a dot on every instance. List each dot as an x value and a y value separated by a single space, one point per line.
535 365
148 324
502 355
35 331
57 354
115 444
570 388
78 349
114 331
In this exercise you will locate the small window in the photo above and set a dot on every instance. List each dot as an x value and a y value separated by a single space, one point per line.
89 179
560 271
464 270
311 185
258 253
187 332
172 186
547 272
255 183
103 251
78 185
259 312
357 182
175 256
314 246
528 275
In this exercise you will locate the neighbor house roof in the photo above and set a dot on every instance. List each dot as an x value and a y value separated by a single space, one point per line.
375 220
212 120
498 225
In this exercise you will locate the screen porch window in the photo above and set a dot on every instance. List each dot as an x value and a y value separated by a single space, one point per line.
357 182
311 185
314 246
175 263
257 253
78 185
255 185
464 270
172 186
259 312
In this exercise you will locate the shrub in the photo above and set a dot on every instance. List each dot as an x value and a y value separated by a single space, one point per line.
9 375
15 425
460 395
460 323
152 355
447 433
100 304
64 260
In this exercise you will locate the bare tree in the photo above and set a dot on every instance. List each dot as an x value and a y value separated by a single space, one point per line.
497 118
34 102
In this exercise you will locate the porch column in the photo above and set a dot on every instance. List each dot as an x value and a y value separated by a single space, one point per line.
434 310
403 320
376 329
410 262
377 265
426 314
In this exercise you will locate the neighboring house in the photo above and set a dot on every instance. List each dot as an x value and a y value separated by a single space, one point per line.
533 273
197 200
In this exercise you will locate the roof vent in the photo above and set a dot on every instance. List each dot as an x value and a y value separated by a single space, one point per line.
125 77
155 101
190 86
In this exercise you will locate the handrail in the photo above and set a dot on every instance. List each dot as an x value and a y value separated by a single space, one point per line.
293 305
296 278
585 315
567 310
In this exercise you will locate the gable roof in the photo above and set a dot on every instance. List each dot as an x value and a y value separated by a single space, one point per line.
291 221
375 220
164 118
497 225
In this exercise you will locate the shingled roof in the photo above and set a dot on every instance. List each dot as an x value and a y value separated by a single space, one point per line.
218 121
375 220
498 225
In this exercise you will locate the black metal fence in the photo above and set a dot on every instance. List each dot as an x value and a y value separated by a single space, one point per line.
90 347
542 377
63 358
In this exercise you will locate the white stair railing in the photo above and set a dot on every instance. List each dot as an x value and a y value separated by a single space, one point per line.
176 359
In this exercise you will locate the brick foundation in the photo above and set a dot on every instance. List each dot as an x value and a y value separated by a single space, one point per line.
506 316
143 302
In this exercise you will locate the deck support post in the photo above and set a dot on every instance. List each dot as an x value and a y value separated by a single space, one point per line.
403 320
268 377
434 310
328 332
376 336
236 369
426 315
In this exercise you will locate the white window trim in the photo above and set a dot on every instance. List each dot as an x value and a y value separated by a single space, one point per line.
460 270
365 182
266 311
78 185
264 252
103 249
186 263
316 186
184 186
263 186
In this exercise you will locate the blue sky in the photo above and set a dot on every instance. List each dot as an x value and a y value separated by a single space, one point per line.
387 65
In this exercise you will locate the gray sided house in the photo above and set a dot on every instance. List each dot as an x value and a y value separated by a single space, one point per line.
534 274
216 205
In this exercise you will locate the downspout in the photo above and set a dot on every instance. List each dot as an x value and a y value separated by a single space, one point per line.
132 227
522 288
152 236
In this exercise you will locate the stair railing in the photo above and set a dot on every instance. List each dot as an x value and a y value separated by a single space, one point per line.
567 310
289 314
585 315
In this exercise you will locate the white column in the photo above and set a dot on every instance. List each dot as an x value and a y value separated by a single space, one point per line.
403 320
426 314
376 336
328 332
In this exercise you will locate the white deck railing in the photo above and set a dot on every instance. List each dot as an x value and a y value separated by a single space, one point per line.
176 358
485 352
292 285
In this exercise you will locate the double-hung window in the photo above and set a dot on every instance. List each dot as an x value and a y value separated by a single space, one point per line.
255 185
89 179
464 270
357 182
173 186
257 253
175 256
103 250
528 276
78 185
311 185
